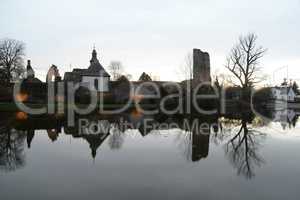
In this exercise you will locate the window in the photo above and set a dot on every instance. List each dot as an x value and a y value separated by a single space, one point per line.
96 84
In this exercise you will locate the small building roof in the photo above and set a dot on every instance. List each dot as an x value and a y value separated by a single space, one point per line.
95 67
145 77
283 89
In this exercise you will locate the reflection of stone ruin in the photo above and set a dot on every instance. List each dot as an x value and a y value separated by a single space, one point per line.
113 128
201 66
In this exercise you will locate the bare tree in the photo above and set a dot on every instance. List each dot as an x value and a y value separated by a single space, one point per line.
184 140
116 69
185 70
11 59
224 80
243 61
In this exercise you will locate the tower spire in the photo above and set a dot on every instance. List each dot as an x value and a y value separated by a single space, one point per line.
94 53
30 72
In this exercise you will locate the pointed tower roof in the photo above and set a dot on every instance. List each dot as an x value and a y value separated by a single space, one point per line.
29 70
30 74
52 134
30 135
95 66
94 141
145 77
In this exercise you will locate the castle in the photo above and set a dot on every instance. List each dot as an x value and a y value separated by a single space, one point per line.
94 77
201 66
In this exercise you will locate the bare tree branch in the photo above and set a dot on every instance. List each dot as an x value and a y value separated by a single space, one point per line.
116 69
11 59
243 61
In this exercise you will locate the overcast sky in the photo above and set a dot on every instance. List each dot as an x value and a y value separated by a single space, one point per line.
152 36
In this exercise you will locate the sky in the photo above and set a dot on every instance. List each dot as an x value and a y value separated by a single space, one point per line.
152 36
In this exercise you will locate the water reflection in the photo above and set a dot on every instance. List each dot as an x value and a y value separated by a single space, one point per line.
287 117
12 154
116 138
237 132
242 149
194 142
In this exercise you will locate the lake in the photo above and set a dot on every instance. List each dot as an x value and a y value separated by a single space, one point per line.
226 158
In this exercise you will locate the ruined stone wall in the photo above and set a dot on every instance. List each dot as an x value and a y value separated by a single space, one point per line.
201 66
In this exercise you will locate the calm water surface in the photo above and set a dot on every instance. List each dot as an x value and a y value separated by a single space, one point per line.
162 164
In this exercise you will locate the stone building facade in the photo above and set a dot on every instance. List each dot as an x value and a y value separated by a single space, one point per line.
94 77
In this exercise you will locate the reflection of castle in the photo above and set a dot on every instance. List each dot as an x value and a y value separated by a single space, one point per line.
114 130
95 142
200 146
30 136
94 139
286 117
52 135
195 138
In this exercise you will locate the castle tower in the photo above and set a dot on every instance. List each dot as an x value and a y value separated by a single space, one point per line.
94 56
29 70
201 66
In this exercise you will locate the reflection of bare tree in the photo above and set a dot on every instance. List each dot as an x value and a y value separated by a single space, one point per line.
218 135
221 130
116 137
184 139
12 154
242 150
